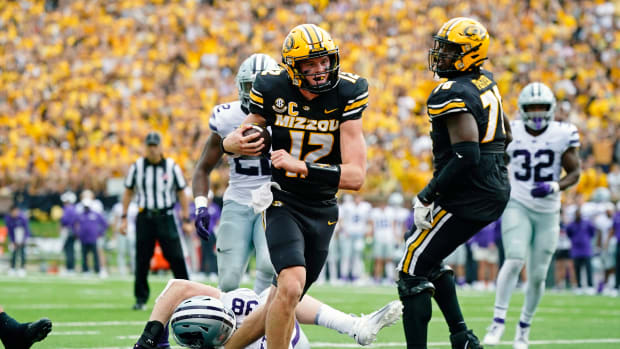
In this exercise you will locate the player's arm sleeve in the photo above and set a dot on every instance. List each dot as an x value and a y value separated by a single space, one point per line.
570 160
448 98
259 97
573 138
356 101
464 135
215 122
130 180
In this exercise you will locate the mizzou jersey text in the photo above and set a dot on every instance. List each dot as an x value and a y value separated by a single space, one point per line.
308 130
483 194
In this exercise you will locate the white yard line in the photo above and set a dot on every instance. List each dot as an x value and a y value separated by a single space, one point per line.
432 344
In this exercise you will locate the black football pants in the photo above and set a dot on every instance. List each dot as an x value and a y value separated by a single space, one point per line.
149 229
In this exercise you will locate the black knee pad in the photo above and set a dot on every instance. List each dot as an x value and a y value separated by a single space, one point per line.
465 340
409 286
440 271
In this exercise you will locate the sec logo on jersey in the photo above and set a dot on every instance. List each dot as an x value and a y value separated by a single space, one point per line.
279 105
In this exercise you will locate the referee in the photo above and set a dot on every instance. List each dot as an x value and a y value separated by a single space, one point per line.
158 183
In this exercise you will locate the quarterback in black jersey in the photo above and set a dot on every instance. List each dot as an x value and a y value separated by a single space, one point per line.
469 188
314 111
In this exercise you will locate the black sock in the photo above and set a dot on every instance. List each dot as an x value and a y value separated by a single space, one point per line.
417 312
151 334
11 331
445 296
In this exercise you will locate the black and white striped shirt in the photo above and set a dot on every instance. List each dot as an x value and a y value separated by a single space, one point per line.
155 184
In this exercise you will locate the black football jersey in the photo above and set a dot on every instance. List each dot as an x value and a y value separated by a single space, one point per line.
483 194
308 130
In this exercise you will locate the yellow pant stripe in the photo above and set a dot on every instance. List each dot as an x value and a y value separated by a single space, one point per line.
417 242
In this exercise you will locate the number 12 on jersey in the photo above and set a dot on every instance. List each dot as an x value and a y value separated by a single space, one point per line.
324 140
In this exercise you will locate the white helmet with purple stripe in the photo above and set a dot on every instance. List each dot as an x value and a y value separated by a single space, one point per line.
202 322
536 94
251 66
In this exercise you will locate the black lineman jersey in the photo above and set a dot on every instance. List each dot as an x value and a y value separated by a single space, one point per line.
484 192
308 130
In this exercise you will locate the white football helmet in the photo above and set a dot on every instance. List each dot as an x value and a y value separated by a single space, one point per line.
536 93
246 75
396 199
202 322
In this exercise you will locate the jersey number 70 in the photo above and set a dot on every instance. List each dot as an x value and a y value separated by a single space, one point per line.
491 99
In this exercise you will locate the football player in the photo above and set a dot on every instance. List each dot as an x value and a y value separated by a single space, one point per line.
314 111
469 188
243 302
240 229
540 150
355 213
387 230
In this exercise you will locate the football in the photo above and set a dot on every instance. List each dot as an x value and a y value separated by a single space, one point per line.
264 134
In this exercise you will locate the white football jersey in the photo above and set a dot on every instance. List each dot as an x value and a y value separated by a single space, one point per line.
388 223
246 172
243 301
538 159
355 217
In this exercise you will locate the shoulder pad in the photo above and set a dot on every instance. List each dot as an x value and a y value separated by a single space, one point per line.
265 82
572 135
450 97
354 92
221 114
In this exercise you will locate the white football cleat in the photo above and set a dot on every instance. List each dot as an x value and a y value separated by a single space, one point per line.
366 327
494 333
522 335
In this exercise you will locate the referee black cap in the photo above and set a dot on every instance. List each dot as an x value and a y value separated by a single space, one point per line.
153 138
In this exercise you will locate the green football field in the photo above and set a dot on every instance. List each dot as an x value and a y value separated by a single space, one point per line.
94 313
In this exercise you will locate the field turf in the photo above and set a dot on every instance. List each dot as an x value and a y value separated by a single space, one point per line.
95 313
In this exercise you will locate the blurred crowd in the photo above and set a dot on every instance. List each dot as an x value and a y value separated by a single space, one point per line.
81 82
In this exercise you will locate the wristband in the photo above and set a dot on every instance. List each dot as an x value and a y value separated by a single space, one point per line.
222 147
186 220
124 215
200 201
324 173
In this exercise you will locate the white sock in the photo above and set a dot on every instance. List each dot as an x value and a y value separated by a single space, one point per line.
335 319
506 283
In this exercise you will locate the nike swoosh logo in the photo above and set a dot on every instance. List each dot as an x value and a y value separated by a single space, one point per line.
329 111
459 155
331 222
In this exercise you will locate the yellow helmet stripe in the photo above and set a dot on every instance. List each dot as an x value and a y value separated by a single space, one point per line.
459 20
308 34
447 27
449 106
317 32
417 242
356 104
256 98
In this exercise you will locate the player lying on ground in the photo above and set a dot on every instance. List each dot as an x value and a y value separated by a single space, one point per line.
242 302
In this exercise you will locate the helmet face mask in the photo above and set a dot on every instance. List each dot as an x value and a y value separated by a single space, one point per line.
536 106
461 45
443 56
246 75
308 41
